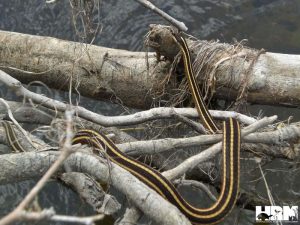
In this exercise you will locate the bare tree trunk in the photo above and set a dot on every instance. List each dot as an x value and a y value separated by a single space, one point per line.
97 72
105 73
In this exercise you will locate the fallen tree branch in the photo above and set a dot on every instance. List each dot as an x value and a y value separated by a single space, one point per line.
50 215
276 137
16 214
110 74
143 197
131 216
144 116
212 151
91 192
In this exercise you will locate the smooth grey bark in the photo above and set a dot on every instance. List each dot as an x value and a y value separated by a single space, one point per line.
24 166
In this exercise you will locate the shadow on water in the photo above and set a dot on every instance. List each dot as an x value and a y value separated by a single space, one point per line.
273 25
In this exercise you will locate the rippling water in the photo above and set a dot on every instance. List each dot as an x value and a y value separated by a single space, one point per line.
273 25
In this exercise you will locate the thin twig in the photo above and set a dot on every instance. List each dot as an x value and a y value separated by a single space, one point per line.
49 214
196 184
10 115
271 199
15 215
180 25
147 200
194 125
136 118
213 150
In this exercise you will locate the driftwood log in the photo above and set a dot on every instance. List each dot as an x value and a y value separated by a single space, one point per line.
113 74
